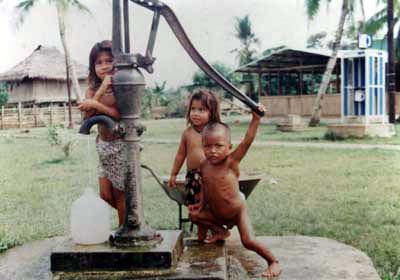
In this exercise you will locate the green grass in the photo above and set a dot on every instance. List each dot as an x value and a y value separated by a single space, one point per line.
172 129
352 196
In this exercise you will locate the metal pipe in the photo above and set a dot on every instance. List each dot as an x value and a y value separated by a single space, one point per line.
103 119
116 28
153 33
126 27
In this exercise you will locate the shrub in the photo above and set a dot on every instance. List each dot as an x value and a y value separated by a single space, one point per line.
3 95
332 136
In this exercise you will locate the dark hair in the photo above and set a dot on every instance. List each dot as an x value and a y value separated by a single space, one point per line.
218 126
208 100
103 46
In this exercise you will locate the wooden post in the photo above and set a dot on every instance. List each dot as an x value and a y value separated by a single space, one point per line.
279 83
51 114
2 117
391 62
35 113
300 77
312 81
269 84
19 115
259 86
65 114
337 77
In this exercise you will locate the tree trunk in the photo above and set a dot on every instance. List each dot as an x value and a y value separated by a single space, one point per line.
70 66
361 27
391 62
316 115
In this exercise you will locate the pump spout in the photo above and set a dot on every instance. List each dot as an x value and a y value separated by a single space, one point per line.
103 119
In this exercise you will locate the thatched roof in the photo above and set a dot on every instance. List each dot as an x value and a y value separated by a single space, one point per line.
45 63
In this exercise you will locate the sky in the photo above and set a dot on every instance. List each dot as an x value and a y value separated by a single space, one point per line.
208 23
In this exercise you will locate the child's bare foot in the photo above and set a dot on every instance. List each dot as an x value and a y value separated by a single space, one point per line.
217 236
273 270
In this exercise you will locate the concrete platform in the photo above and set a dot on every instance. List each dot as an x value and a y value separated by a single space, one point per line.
72 261
291 123
301 257
359 130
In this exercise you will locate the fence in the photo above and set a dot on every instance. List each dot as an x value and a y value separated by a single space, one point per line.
19 117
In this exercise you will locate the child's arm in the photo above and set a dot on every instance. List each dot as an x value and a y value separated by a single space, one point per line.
251 132
199 205
105 85
87 113
179 159
91 104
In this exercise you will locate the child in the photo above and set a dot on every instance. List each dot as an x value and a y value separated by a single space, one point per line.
203 109
220 175
109 146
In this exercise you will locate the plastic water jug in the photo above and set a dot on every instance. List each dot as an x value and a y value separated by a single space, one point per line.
90 219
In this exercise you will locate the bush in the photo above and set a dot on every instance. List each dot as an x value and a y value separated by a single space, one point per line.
332 136
3 95
56 135
53 135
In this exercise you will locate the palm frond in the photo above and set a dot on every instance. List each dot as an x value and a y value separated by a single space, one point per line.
312 7
79 5
23 8
243 29
375 23
66 4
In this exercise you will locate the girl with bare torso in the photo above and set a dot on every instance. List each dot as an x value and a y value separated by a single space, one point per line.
203 109
100 100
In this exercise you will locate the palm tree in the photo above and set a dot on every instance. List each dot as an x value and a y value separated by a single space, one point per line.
247 39
312 9
61 6
246 53
378 22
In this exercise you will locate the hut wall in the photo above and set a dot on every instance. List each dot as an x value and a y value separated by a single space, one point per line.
54 91
278 106
21 92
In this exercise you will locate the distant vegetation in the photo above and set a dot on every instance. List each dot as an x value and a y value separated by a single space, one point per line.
3 94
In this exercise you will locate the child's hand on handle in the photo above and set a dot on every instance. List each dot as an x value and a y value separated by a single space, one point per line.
88 104
107 83
262 108
172 181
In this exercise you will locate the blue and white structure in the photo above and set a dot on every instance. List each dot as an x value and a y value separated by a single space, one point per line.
363 94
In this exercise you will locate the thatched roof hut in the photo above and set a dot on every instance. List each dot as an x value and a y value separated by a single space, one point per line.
41 78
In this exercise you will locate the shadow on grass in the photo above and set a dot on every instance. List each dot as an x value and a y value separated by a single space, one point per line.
55 161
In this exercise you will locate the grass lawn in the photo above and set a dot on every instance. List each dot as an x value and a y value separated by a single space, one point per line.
352 196
171 129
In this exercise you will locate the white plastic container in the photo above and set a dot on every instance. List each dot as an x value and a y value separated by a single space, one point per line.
90 219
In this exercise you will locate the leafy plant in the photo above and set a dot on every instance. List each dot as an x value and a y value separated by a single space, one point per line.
67 147
201 80
56 136
3 95
53 135
332 136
